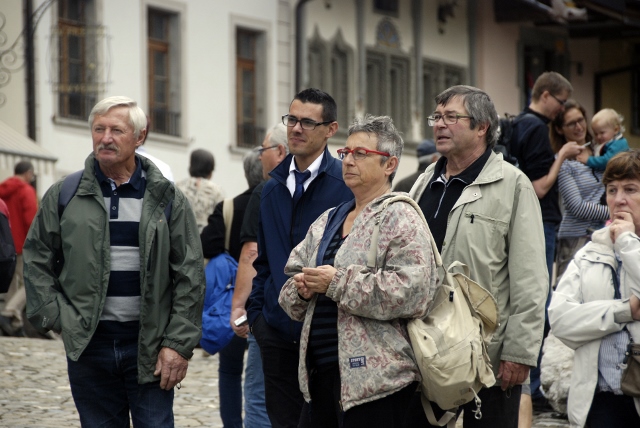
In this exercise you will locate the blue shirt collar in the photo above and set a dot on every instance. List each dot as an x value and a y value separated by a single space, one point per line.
135 180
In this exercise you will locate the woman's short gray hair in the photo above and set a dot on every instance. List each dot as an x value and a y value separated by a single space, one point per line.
479 106
389 139
137 118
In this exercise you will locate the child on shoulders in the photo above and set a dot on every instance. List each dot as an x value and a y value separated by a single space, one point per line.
608 130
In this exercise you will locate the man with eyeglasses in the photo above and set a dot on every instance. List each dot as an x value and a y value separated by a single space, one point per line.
273 150
530 144
484 212
304 185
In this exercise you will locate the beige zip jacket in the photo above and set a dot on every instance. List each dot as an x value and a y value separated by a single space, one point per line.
495 228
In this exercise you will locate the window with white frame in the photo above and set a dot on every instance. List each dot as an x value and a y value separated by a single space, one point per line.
329 70
163 43
250 84
376 83
79 75
317 61
436 78
340 84
388 87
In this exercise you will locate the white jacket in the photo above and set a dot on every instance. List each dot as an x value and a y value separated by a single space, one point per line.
583 310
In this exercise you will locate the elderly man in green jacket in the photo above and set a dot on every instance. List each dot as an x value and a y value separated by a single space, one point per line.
484 212
128 297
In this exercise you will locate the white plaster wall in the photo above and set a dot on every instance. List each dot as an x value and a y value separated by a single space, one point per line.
14 110
587 53
497 59
497 62
451 46
341 15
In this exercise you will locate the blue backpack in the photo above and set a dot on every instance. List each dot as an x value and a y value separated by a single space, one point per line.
220 274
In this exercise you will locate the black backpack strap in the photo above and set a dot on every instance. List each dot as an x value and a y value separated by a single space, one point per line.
70 186
68 190
167 212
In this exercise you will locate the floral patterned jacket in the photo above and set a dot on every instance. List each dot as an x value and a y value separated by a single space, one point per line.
374 352
203 196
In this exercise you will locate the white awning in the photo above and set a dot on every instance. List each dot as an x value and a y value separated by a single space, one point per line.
15 147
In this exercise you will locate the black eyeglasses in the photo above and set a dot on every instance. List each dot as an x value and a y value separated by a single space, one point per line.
561 102
260 150
448 118
359 153
306 124
582 122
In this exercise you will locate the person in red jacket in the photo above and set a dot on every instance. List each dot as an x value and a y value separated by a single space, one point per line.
20 197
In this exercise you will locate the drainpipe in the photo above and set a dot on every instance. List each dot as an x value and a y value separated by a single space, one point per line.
361 57
472 28
30 69
419 66
301 45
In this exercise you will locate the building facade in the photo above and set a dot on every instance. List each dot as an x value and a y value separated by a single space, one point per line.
218 74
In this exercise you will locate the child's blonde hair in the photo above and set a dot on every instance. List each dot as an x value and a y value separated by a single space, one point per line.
610 117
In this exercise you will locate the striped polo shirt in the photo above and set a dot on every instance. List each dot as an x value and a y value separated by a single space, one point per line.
121 313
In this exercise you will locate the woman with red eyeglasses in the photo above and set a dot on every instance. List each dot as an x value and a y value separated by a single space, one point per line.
356 365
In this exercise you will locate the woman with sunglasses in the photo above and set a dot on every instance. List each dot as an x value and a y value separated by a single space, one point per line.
356 365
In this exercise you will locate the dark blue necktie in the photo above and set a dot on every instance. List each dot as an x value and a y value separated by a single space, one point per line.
301 177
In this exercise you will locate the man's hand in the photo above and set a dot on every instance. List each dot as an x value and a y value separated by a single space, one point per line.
512 374
171 367
243 330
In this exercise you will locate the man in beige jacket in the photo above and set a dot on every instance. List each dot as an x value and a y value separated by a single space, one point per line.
484 212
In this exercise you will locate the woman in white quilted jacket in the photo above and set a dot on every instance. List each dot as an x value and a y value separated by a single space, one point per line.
595 309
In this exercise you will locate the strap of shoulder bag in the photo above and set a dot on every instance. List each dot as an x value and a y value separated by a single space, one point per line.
373 250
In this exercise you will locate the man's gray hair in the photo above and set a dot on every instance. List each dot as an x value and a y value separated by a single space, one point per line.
278 136
137 118
478 105
389 139
252 168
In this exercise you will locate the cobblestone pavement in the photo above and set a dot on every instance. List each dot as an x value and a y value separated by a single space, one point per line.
35 393
34 390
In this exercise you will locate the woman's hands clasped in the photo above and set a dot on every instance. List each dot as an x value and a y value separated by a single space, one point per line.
314 280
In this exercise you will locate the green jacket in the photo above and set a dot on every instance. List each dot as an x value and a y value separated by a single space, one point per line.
495 228
171 268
